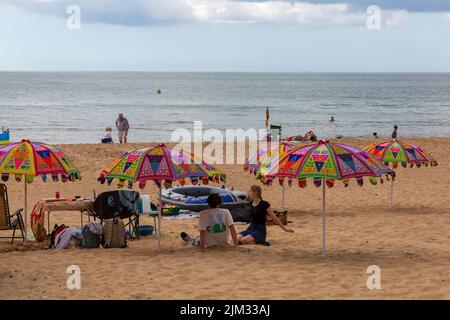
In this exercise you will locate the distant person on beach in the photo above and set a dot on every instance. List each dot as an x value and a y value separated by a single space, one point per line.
332 119
122 126
107 138
375 135
395 132
310 136
216 226
257 231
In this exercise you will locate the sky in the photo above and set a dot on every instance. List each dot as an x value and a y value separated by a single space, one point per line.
225 35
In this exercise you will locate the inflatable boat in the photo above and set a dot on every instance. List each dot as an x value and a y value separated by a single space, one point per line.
194 197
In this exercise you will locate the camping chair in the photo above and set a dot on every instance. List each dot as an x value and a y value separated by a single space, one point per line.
122 204
9 221
275 131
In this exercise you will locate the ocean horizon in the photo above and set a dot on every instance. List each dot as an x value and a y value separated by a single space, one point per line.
76 107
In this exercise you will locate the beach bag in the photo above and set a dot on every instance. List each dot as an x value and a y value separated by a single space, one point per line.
114 234
241 214
38 221
282 215
89 239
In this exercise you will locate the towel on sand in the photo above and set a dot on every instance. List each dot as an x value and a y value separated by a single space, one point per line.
69 237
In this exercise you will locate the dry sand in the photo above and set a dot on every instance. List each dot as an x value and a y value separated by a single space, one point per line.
410 243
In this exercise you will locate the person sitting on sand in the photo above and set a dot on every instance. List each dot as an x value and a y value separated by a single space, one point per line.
310 136
216 226
259 209
375 135
107 138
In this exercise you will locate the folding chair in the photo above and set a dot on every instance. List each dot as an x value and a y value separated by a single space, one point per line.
9 221
122 204
275 132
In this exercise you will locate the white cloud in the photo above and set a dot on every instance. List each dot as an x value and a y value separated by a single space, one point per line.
147 12
447 16
394 18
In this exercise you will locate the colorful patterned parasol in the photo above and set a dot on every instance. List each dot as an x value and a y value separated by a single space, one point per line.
260 162
395 152
325 162
159 163
265 156
28 160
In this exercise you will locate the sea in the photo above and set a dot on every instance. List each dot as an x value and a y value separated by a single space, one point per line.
76 107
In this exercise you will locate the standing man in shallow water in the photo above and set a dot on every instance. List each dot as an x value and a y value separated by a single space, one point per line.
122 126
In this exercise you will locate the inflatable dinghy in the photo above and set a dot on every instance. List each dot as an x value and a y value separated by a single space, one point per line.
194 197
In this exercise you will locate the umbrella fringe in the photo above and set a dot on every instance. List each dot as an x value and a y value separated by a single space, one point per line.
121 183
317 182
346 182
142 184
360 181
302 183
373 181
290 180
330 183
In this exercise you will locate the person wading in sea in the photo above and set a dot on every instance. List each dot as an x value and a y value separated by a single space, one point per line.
122 126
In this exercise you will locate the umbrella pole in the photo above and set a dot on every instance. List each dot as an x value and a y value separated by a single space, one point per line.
159 216
392 193
25 211
282 197
324 220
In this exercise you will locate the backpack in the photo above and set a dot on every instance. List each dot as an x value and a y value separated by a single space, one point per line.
89 239
114 234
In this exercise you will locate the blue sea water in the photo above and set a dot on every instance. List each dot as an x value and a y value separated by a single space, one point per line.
76 107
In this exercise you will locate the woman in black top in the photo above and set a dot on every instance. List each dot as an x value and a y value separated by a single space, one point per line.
257 232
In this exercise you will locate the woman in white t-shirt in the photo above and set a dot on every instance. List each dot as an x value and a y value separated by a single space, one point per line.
216 226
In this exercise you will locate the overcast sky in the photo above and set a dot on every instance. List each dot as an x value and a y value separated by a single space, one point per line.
225 35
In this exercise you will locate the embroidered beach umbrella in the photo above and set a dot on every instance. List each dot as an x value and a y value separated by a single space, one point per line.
326 162
262 158
395 152
260 161
160 164
27 160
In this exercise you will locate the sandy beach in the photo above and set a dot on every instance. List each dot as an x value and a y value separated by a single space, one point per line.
410 243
